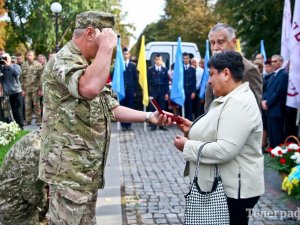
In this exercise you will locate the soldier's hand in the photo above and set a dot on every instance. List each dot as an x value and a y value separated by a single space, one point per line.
23 93
106 38
160 119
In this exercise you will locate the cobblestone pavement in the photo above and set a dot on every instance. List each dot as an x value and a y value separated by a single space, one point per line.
153 185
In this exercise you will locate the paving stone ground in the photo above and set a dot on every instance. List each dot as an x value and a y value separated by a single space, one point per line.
154 187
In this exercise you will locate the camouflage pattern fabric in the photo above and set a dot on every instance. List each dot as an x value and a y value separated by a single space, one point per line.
69 206
32 98
94 19
22 195
75 130
31 76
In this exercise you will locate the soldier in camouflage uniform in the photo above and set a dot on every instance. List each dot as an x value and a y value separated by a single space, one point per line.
22 194
31 85
78 109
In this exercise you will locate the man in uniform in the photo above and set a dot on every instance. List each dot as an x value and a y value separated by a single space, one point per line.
158 82
222 38
31 85
78 109
130 83
22 194
189 80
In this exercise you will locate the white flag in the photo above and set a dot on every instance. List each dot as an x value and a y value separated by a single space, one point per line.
286 32
293 96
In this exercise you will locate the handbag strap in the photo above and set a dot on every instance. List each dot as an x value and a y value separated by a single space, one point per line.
198 158
217 171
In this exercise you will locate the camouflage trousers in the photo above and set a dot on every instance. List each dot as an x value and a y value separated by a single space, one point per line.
32 97
71 207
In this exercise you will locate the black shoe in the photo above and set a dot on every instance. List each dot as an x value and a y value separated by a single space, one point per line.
124 128
163 128
153 128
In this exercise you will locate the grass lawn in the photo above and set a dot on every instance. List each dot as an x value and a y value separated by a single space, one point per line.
5 149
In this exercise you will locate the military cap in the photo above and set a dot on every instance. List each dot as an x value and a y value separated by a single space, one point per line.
94 19
13 58
125 49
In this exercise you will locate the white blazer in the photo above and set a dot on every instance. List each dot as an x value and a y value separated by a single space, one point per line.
233 125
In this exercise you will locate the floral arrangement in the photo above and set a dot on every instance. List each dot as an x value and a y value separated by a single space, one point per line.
285 156
291 183
8 132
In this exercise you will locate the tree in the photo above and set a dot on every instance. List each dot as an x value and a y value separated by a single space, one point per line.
253 21
32 22
189 19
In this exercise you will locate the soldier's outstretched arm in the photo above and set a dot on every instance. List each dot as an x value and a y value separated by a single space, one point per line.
124 114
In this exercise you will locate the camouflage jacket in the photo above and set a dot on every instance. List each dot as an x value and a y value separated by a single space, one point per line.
31 78
75 130
21 192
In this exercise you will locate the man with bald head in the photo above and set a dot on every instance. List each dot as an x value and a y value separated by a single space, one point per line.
222 38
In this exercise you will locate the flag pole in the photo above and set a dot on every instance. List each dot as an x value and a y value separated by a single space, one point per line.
145 124
118 123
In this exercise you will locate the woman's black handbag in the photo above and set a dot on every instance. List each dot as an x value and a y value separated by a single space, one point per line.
206 208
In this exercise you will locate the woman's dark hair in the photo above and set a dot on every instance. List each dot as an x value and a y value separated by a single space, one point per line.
228 59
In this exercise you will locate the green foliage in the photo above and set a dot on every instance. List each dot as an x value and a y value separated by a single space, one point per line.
5 149
32 22
191 20
254 21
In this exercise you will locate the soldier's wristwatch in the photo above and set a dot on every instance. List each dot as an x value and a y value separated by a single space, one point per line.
147 117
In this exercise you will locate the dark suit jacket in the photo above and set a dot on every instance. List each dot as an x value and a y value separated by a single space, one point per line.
275 94
250 75
189 80
158 82
131 77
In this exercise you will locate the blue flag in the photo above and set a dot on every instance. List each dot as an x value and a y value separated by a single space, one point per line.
262 50
118 77
177 90
205 76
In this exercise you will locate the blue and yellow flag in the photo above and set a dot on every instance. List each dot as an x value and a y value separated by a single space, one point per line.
177 90
118 77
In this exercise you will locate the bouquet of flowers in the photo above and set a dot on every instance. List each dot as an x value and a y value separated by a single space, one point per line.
285 156
8 132
291 183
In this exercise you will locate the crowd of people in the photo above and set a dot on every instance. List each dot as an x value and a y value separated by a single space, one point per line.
21 87
79 108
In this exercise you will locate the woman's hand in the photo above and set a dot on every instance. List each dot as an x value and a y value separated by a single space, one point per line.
179 142
185 125
160 119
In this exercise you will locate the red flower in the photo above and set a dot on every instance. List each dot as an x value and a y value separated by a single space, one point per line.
279 152
289 150
282 160
298 150
272 155
269 149
281 145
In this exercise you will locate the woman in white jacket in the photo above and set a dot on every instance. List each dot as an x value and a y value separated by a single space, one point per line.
233 127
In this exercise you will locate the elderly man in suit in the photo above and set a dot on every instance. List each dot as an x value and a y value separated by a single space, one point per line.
274 100
222 38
